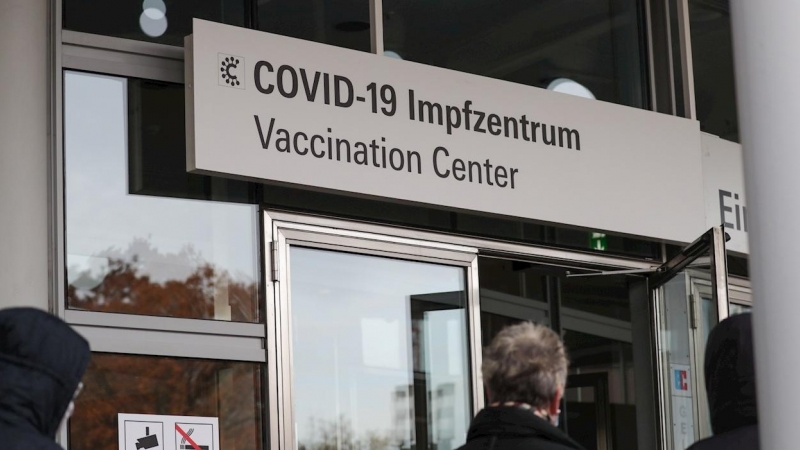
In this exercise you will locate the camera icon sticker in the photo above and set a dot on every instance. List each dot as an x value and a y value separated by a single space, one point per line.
231 70
144 435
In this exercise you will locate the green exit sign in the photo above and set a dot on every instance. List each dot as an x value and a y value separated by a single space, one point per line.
598 241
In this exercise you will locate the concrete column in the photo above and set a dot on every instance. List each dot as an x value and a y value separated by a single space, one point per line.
765 35
24 149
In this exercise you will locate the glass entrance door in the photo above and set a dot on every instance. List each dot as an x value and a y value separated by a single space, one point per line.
380 351
377 331
374 336
607 383
690 294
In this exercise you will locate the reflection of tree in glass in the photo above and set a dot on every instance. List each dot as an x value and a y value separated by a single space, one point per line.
171 386
143 281
339 435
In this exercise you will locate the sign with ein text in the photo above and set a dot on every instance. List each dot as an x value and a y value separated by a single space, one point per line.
723 175
276 109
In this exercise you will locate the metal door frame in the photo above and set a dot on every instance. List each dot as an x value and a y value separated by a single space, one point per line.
699 286
279 236
712 244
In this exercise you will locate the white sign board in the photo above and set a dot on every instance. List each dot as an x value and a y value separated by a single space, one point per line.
723 175
272 108
155 432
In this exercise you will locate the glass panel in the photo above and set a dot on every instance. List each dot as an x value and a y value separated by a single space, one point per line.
689 314
709 318
686 304
712 62
162 21
610 362
442 220
679 367
116 384
343 24
606 296
143 254
735 308
157 148
738 266
598 44
379 351
598 333
582 415
511 292
596 318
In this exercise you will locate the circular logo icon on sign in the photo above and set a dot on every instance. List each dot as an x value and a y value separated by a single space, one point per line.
231 71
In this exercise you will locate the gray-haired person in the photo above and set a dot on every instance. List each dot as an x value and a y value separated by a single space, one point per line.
525 373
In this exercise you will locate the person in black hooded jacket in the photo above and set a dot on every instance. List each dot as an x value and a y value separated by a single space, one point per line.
42 361
731 386
525 373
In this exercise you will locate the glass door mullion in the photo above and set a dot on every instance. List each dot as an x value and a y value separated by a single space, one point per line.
476 344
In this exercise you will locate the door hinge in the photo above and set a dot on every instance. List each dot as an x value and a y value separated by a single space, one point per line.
692 311
276 265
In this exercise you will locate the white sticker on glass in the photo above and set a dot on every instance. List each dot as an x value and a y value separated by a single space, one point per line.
157 432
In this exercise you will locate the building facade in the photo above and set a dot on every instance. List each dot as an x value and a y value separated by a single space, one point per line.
347 310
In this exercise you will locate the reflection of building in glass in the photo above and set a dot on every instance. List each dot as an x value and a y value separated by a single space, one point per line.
403 417
443 412
441 417
417 341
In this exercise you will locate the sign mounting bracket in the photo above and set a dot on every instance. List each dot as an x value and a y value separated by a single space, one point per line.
649 271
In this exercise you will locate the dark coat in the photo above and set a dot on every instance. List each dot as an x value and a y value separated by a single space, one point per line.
512 428
731 386
42 361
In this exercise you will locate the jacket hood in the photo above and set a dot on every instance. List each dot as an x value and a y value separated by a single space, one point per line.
42 361
730 374
510 421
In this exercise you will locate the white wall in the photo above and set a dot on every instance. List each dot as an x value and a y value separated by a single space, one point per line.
24 151
765 34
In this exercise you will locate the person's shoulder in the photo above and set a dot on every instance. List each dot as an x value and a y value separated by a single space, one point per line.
517 443
557 442
745 438
537 443
14 439
550 445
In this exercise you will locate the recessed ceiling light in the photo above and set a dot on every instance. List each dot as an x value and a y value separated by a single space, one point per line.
153 20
